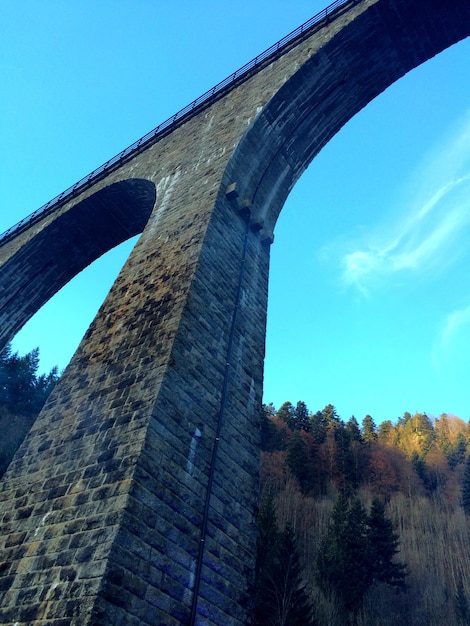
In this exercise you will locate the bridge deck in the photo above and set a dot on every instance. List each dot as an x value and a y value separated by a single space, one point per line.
316 22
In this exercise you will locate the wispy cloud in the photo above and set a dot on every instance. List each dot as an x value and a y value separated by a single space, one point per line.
427 229
452 337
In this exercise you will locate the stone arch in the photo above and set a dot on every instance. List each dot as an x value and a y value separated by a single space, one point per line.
67 245
358 64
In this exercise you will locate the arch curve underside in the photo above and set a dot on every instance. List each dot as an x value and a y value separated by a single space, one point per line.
385 42
67 245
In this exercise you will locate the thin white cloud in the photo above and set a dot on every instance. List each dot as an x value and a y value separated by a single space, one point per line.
427 232
453 337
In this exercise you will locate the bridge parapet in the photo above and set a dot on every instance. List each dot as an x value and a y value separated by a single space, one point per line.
194 108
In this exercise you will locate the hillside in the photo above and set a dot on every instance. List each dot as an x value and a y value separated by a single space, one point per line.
416 466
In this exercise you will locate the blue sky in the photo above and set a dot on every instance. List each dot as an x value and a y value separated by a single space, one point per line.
369 291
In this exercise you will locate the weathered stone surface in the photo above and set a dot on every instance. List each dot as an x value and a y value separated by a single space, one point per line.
135 492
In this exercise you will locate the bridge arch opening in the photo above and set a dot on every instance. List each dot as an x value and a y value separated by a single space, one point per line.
75 305
390 324
70 243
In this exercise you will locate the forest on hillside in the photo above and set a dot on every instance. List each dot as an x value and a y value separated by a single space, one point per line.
23 393
359 524
325 480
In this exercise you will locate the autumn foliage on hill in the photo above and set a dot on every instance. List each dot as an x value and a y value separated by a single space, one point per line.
416 468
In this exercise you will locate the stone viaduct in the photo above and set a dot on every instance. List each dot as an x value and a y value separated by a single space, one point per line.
133 498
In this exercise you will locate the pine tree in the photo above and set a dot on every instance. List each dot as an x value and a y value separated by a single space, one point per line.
300 462
460 448
402 421
279 593
369 429
353 429
286 413
418 465
266 545
384 431
457 451
272 438
462 608
22 392
330 415
290 600
356 551
318 427
343 566
417 434
22 395
383 546
442 428
345 459
302 416
465 492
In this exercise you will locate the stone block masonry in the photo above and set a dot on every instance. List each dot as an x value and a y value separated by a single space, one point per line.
133 499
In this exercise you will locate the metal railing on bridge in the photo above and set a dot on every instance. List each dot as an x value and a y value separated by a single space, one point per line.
206 99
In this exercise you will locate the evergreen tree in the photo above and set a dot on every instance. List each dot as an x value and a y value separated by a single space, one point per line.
330 415
442 428
290 600
302 416
384 430
353 429
345 459
356 551
269 409
369 429
418 465
417 434
465 492
286 413
460 448
300 462
318 427
462 608
267 540
383 545
272 437
22 392
402 421
457 451
22 395
280 598
343 565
